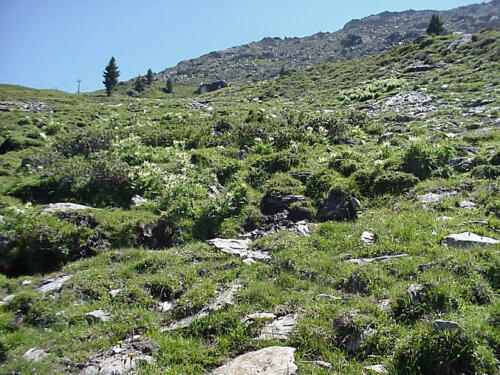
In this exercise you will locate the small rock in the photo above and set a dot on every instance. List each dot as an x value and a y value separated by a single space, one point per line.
376 369
55 284
414 291
435 197
384 304
8 298
445 218
375 260
35 354
467 239
165 306
27 282
137 200
250 318
2 219
323 364
368 238
467 204
443 325
280 329
64 207
273 203
274 360
239 248
329 297
98 315
114 293
338 206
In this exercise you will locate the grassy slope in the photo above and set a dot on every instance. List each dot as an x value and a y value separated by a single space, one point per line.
171 155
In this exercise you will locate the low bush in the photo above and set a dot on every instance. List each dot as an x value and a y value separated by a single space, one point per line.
393 182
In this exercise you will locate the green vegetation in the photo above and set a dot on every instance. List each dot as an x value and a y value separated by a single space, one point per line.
206 166
435 26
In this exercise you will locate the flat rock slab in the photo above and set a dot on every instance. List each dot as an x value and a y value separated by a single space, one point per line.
368 238
118 360
54 284
280 329
274 360
239 248
251 318
468 239
35 354
224 298
65 207
443 325
384 258
98 315
376 369
435 197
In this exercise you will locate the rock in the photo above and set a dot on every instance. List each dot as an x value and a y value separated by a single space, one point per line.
251 318
375 260
239 248
154 235
467 204
435 197
419 68
352 342
98 316
445 218
338 206
242 154
118 360
301 176
272 204
6 299
27 282
274 360
329 297
462 165
468 239
35 355
2 219
460 42
443 325
4 242
114 293
64 207
137 200
215 190
224 298
280 329
477 103
54 284
165 306
368 238
415 292
376 369
384 304
323 364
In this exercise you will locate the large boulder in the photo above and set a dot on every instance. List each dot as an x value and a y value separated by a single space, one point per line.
338 206
274 360
273 203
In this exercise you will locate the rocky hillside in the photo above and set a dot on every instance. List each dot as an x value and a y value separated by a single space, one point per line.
359 38
341 219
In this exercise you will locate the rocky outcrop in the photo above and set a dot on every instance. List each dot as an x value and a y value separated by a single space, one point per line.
274 360
468 239
338 206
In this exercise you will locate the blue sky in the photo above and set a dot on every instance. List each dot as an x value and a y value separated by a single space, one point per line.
52 43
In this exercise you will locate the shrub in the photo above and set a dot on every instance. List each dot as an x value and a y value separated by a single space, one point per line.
440 353
421 160
393 182
84 144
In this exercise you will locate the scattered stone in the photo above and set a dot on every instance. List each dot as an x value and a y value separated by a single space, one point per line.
224 298
460 42
272 204
54 284
467 204
215 190
443 325
329 297
376 369
462 165
415 292
323 364
6 299
239 248
35 354
98 316
280 329
27 282
242 154
384 304
274 360
425 266
2 219
468 239
277 223
375 260
368 238
64 207
4 242
137 200
352 342
165 306
338 206
118 360
477 103
445 218
114 293
419 68
435 197
251 318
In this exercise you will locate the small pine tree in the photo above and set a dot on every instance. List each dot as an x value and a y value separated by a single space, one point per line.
282 71
149 76
435 26
139 84
110 75
169 87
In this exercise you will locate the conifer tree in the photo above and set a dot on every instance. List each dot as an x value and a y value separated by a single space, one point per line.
169 88
435 26
111 74
149 76
139 84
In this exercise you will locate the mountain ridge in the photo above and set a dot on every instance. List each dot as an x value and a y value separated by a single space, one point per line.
373 34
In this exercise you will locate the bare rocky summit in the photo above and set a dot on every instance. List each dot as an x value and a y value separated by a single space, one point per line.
359 38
